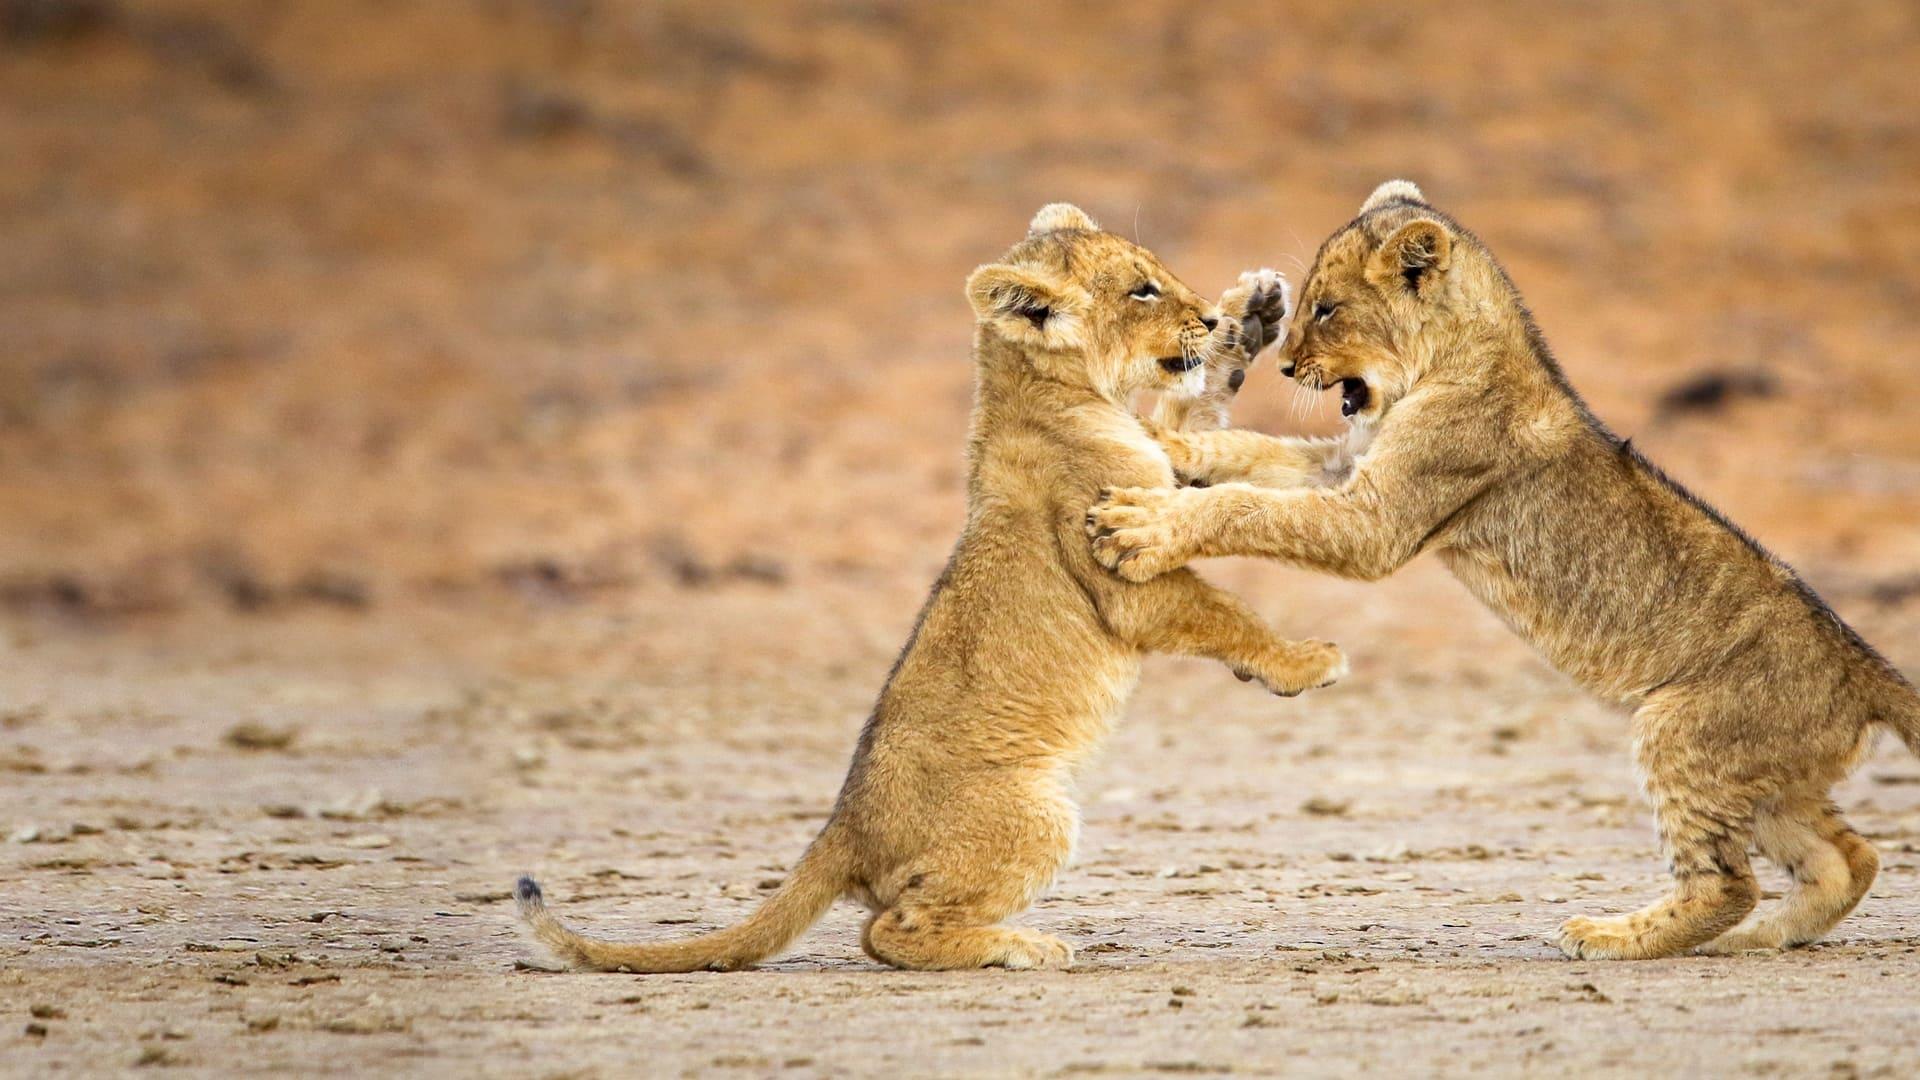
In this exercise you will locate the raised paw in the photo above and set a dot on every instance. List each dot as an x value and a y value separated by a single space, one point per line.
1251 316
1310 666
1137 532
1260 302
1299 667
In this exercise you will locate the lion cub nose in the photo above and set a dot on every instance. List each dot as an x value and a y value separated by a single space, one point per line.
1209 322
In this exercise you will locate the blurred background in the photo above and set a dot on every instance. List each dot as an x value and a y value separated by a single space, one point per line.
353 303
440 439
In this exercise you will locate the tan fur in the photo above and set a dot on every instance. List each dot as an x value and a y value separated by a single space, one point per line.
1750 698
957 810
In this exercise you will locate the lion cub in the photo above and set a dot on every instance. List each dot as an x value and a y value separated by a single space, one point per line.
956 811
1750 697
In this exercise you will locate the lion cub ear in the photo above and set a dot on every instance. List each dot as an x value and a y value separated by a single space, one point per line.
1414 258
1391 192
1054 217
1025 306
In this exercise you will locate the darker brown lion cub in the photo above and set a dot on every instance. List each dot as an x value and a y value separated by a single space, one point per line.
957 810
1750 697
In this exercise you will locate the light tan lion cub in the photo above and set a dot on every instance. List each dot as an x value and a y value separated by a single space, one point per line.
1750 697
957 810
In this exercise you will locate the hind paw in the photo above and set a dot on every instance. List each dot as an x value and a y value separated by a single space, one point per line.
1744 939
1025 950
1620 937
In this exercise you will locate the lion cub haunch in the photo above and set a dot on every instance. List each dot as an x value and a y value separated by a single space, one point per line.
1750 697
955 813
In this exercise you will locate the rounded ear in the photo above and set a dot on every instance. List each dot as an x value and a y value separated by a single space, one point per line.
1413 258
1391 192
1054 217
1022 304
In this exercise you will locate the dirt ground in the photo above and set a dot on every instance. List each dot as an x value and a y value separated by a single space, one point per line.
272 846
441 440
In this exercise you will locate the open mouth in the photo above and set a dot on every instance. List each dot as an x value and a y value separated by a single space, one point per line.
1178 365
1353 396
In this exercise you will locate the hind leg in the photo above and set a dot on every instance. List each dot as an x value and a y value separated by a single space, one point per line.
1705 821
947 909
1832 868
954 937
1713 890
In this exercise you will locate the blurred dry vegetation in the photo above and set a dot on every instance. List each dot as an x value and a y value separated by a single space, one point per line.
339 303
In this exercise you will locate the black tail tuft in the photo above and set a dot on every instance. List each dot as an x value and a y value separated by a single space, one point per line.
527 891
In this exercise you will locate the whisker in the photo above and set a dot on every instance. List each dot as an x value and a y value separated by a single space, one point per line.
1295 236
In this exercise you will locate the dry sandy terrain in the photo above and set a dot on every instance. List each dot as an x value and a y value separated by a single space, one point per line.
443 440
1359 878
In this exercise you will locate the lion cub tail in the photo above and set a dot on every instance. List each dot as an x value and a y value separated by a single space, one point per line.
820 878
1901 712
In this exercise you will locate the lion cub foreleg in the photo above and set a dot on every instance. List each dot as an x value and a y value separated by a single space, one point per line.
1236 455
1141 533
1180 613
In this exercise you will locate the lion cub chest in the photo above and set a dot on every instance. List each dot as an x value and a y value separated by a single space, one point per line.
1123 454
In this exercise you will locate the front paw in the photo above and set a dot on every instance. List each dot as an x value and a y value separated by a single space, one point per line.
1138 533
1258 306
1299 667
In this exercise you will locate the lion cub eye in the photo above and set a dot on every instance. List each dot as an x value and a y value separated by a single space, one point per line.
1323 311
1146 290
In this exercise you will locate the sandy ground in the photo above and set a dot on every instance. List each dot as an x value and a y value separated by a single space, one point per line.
440 440
247 845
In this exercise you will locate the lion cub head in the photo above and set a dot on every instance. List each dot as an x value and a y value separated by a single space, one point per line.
1089 308
1386 296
